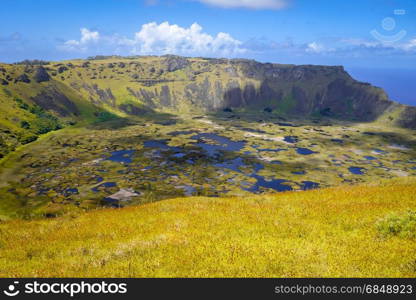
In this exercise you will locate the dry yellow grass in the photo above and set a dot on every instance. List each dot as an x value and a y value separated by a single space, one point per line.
320 233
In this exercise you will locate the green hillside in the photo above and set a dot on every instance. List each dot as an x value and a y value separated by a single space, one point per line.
34 92
347 231
265 170
188 126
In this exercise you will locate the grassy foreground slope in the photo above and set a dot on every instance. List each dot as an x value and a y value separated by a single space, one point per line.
351 231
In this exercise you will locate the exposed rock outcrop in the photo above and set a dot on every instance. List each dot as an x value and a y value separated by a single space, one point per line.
41 75
407 118
62 69
22 78
173 63
53 100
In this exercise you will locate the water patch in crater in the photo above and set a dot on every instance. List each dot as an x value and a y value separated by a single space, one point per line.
356 170
104 185
291 139
379 151
220 143
304 151
275 184
123 156
233 164
309 185
302 172
70 192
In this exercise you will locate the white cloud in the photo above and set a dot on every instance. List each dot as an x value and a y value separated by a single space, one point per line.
162 38
359 42
410 45
165 38
404 47
314 47
250 4
87 37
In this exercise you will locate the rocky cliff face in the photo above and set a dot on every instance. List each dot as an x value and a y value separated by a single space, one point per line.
196 85
297 90
407 117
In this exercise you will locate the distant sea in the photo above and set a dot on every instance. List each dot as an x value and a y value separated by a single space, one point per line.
399 84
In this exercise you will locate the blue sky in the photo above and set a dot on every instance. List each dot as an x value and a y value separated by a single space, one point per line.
336 32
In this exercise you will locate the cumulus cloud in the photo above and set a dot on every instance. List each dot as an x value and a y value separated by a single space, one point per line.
87 38
163 38
250 4
87 35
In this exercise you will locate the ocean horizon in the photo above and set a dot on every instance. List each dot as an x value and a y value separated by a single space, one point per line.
398 83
